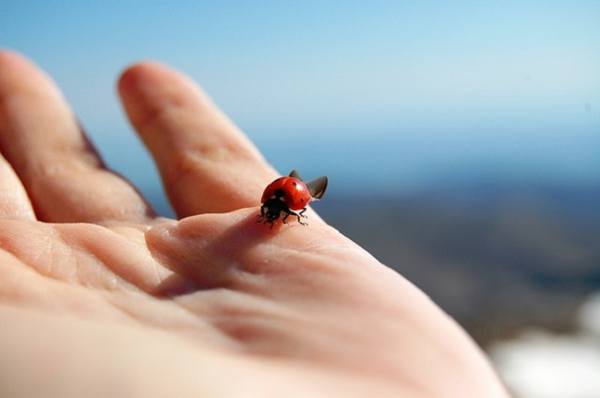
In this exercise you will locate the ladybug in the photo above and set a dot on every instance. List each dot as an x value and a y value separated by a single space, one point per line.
286 194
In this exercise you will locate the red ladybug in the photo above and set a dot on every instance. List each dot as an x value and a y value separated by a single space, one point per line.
286 194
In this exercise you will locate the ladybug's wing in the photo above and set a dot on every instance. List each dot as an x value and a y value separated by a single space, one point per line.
317 187
295 174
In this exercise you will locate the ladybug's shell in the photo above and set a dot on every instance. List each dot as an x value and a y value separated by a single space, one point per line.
295 192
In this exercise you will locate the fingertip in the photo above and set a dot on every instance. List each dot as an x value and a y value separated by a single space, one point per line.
148 89
12 59
138 75
150 78
18 73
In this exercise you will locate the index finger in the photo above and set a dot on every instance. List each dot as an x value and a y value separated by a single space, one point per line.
206 163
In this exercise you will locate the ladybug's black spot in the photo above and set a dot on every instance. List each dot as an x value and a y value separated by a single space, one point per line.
279 193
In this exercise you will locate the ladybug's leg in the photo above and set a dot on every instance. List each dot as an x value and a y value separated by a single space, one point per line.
261 217
301 213
300 219
290 212
285 217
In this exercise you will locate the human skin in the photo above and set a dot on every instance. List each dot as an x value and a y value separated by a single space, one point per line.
99 297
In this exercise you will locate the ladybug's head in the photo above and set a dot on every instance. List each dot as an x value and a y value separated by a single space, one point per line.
272 214
273 207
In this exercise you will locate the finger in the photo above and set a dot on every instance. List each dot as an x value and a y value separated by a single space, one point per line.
41 139
206 163
212 249
14 203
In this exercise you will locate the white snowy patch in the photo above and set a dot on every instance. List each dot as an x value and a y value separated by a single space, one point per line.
540 364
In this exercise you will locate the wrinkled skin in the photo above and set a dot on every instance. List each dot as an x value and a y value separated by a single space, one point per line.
99 297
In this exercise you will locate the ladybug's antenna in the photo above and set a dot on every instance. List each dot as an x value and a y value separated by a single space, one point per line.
294 173
317 187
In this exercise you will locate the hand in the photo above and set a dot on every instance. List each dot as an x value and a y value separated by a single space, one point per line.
99 297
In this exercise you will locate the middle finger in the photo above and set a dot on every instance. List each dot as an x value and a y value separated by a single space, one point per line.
63 175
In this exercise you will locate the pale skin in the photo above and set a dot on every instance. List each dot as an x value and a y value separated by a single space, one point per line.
99 297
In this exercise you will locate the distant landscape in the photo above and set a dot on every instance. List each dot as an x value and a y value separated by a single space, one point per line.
498 258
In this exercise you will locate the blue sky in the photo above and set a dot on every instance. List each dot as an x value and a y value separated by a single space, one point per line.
402 94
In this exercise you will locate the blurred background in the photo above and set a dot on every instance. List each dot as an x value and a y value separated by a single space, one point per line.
462 140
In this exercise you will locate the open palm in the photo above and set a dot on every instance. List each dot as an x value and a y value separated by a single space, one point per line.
99 297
